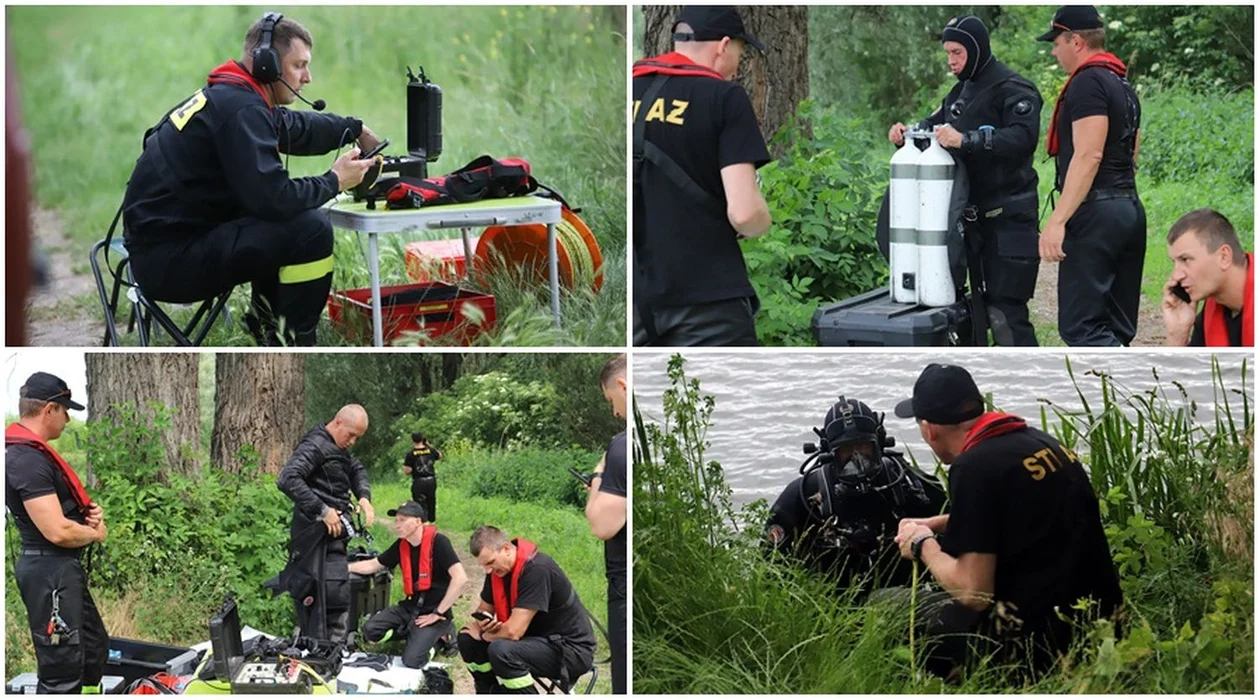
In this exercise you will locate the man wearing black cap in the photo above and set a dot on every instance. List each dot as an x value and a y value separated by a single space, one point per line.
991 120
419 465
697 148
57 521
432 578
1023 541
1097 231
839 517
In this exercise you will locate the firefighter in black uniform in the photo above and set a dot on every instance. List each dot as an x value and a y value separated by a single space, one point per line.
697 148
991 120
319 477
210 205
840 517
433 578
1097 231
57 522
419 464
1023 540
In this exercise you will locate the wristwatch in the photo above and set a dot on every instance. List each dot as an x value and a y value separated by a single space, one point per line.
916 546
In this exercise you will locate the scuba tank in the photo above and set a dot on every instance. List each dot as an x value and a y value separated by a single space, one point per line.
424 117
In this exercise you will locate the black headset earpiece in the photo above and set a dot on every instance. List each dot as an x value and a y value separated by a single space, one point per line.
266 60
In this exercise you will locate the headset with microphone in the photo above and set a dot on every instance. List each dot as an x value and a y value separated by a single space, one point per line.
266 61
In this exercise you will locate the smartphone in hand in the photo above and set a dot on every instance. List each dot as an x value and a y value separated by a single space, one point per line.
1181 293
375 151
483 616
584 478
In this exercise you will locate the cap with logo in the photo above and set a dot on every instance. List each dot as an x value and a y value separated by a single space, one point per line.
1072 18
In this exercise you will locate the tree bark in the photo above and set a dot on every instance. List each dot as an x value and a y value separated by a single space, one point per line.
777 81
258 401
141 379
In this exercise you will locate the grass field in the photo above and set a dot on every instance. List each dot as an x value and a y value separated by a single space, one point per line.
1175 483
543 83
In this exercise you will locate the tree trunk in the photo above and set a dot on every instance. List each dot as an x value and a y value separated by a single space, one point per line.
142 379
258 401
776 81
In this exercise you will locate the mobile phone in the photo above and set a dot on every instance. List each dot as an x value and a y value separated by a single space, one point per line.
1181 293
482 615
584 478
375 151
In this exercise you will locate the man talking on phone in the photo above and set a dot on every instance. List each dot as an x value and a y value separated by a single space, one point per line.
529 622
1209 265
210 205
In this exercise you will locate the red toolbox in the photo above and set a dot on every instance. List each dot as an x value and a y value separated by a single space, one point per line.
437 261
432 308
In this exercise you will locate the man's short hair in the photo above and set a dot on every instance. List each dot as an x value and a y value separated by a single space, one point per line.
486 536
281 38
1095 39
29 408
615 367
1212 230
417 437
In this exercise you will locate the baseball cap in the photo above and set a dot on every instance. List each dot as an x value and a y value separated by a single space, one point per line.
43 386
943 394
712 22
1072 18
410 509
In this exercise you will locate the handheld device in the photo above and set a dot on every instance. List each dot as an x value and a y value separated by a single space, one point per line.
483 616
375 151
584 478
1181 293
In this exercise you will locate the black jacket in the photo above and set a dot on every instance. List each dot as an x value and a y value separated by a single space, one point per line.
321 474
216 157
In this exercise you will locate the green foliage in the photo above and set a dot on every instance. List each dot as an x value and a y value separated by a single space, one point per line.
823 196
713 615
1204 135
490 409
194 537
1205 47
535 475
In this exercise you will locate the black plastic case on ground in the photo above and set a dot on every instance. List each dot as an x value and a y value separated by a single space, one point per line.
873 319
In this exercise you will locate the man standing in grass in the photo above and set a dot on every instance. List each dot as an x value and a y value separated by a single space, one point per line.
1209 264
211 206
319 478
432 578
56 522
606 513
529 623
419 465
1023 541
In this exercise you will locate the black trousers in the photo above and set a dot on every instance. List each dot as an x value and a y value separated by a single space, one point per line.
399 622
424 492
288 265
617 632
951 628
336 588
71 661
727 323
1100 281
1008 251
504 666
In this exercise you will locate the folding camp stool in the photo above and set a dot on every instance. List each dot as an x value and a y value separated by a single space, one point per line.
145 311
552 686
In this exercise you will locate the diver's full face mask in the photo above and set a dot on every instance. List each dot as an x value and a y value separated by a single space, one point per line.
864 456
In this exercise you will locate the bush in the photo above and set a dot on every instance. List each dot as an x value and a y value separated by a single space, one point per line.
493 409
1201 133
535 475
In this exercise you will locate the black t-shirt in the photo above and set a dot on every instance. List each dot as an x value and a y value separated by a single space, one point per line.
614 482
421 460
686 252
1026 499
558 610
28 474
444 557
1233 326
1093 92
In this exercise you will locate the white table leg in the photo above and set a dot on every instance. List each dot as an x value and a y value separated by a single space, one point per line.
374 270
466 234
553 262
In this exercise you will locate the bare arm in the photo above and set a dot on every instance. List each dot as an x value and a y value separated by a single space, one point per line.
605 512
745 207
45 512
1089 135
366 567
969 578
458 578
515 626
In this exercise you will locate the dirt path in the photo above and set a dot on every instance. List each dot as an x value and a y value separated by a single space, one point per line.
65 311
1045 309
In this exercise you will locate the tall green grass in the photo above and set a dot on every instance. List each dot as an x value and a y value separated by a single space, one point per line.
543 83
1174 479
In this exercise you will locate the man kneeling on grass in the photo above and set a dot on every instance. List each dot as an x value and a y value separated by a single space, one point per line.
432 577
529 623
